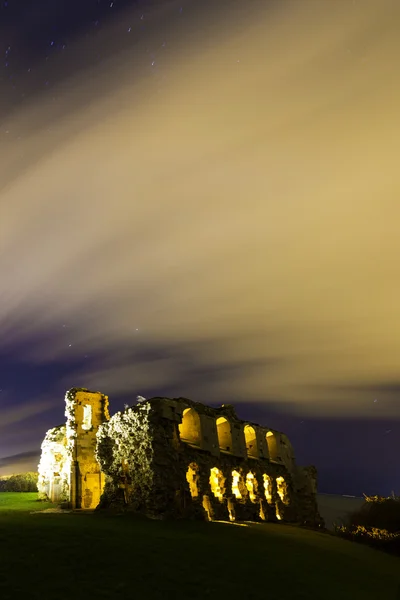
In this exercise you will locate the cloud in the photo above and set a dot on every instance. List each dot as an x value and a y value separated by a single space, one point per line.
237 200
178 370
13 415
17 463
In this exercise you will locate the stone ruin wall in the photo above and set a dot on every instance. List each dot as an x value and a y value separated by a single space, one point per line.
174 458
69 472
85 412
54 466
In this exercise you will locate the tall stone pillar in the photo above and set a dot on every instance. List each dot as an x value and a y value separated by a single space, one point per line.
85 412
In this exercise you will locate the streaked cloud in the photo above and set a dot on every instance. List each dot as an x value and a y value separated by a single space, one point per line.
19 463
17 413
238 202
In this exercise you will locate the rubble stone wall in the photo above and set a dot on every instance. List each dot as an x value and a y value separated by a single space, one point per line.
54 467
85 412
174 458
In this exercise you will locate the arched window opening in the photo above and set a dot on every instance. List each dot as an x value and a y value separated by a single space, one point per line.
235 484
251 486
268 487
216 483
189 429
282 490
192 478
224 434
272 446
251 441
87 417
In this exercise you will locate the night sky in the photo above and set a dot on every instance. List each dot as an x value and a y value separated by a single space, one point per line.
201 199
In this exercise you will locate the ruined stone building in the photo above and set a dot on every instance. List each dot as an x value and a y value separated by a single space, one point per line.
69 472
174 458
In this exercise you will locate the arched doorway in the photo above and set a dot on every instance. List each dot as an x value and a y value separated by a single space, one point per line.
217 483
281 488
251 484
267 487
236 484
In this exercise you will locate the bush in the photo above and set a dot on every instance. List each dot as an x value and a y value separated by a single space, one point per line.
376 523
382 513
24 482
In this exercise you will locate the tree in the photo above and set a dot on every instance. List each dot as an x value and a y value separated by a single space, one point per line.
23 482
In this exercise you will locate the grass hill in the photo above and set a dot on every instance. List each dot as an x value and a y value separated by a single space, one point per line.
100 555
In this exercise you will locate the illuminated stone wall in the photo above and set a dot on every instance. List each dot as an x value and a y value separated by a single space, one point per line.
85 412
174 458
54 467
68 470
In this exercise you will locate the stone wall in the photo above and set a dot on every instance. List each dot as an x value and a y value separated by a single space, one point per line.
85 412
174 458
54 466
305 484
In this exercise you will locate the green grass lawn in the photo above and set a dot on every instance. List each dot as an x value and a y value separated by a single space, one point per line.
86 556
10 502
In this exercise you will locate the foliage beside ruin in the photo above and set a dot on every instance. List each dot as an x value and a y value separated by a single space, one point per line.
376 523
125 454
54 458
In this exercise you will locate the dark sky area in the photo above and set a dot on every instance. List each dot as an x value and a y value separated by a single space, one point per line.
201 199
